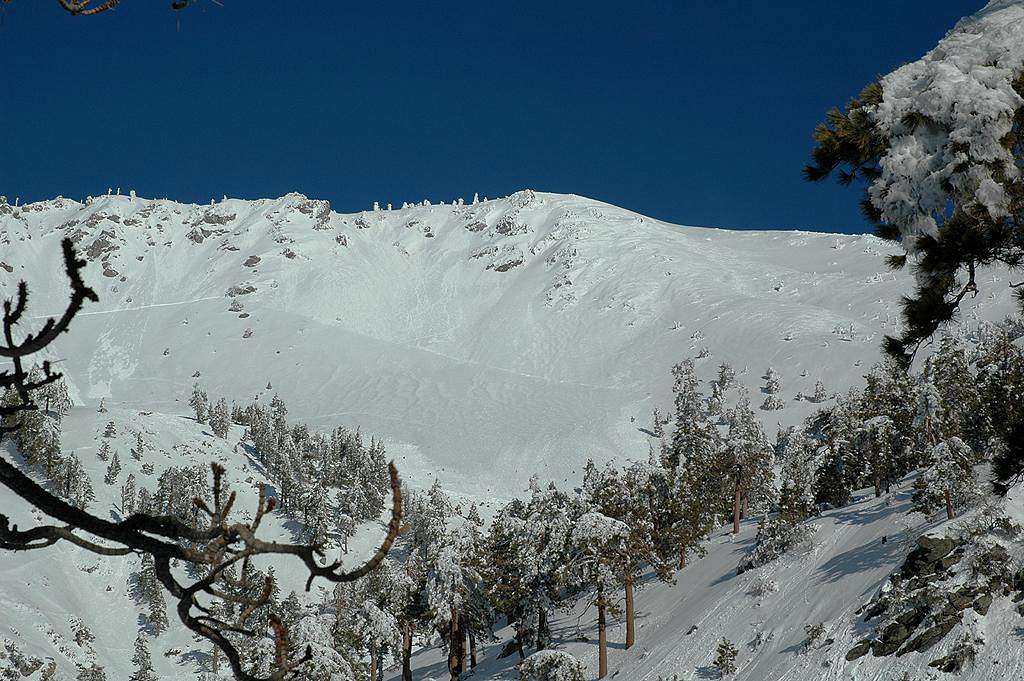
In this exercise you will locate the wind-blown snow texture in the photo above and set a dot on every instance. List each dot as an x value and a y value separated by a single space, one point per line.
965 89
485 342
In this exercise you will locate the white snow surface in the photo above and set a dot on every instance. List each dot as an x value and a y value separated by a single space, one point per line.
485 342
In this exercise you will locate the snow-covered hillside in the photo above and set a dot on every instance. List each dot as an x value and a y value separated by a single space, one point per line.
486 342
48 597
763 612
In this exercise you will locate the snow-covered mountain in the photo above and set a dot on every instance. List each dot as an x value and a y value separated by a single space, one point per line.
486 342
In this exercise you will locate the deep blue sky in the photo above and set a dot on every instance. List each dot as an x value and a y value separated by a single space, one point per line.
695 112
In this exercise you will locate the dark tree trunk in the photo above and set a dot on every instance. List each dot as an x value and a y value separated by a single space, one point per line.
602 636
407 652
736 509
542 629
472 649
682 556
463 647
630 626
374 653
455 645
949 504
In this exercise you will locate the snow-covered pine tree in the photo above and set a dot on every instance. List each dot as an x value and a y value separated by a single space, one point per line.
798 454
220 418
626 496
725 657
143 660
689 461
875 443
199 403
72 482
597 564
128 496
146 589
1001 383
949 482
772 389
838 471
449 585
139 448
962 414
891 392
726 377
378 630
104 451
113 470
746 464
110 430
55 399
316 513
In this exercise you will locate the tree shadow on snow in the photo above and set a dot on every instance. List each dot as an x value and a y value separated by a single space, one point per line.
869 556
708 672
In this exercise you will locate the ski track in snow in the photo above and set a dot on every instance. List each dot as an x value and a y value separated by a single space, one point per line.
92 313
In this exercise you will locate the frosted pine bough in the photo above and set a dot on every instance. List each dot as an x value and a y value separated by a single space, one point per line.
966 89
939 142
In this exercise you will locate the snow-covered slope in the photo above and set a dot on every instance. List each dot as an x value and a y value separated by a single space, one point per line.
764 611
487 342
47 595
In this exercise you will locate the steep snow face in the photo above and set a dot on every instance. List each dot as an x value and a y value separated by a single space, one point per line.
487 342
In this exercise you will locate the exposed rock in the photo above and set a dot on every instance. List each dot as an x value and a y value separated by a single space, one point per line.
507 226
859 650
101 245
509 264
927 558
983 603
932 635
319 210
522 198
251 261
240 290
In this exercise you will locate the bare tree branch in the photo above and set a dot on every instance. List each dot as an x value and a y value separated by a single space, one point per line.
85 8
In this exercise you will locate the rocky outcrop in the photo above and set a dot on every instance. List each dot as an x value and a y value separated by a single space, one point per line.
924 603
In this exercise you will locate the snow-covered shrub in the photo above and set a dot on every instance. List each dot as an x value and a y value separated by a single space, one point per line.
814 633
725 657
763 586
775 537
551 665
